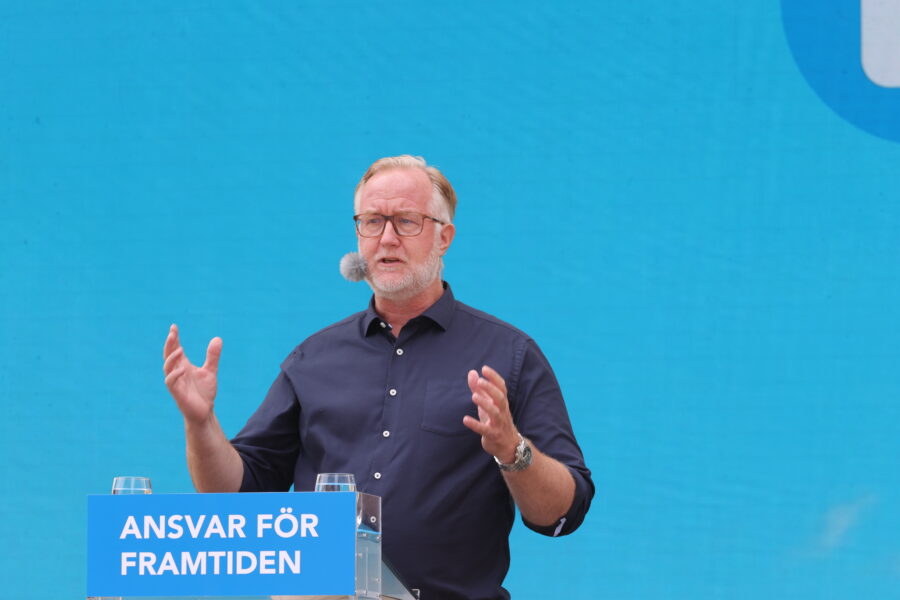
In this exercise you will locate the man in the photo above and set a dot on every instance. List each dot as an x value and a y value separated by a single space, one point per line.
447 413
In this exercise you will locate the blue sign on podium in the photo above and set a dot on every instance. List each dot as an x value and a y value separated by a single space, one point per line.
221 544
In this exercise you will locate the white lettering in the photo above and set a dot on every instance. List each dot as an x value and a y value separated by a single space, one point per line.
130 528
236 525
188 566
128 561
175 526
291 523
168 564
146 561
267 562
240 562
308 526
263 522
218 554
284 560
159 529
215 528
246 562
194 528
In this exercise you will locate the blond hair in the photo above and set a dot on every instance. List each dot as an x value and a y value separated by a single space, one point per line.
443 200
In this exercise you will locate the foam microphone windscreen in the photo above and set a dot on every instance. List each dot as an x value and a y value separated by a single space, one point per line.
353 267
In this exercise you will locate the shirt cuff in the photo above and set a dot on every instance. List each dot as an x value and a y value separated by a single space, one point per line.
569 522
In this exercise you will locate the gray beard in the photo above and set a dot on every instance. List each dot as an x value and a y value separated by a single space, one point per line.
413 282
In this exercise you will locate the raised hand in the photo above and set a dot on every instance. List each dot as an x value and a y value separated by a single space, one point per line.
499 436
192 387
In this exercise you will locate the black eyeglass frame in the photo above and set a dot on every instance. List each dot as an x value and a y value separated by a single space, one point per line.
356 219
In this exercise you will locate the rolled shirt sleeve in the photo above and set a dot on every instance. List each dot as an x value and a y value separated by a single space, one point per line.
269 443
540 415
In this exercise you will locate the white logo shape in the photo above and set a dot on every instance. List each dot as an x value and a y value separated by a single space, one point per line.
880 41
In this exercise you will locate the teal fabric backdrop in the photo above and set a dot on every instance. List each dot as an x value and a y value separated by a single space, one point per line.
656 191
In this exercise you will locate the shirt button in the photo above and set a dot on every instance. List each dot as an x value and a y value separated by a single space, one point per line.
399 351
392 392
382 325
377 476
386 433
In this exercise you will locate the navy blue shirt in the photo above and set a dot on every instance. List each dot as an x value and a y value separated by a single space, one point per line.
352 398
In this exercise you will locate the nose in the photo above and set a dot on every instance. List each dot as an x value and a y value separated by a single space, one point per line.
389 236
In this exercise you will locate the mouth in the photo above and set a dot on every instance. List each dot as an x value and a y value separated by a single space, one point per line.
389 260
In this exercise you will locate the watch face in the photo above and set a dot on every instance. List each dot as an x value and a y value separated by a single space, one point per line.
526 456
520 451
522 458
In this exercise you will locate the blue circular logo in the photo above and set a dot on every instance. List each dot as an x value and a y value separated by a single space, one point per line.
826 39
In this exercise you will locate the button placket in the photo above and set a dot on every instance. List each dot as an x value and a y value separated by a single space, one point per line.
383 452
395 377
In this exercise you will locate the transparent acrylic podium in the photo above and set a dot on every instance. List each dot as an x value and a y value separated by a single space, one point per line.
368 546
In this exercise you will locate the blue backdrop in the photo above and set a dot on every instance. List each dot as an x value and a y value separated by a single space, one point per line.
670 196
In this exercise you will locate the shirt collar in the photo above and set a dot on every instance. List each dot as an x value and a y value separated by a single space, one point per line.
440 313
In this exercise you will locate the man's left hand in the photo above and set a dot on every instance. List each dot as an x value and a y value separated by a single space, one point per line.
494 424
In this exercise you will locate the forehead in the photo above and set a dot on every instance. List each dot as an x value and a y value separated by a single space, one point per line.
397 189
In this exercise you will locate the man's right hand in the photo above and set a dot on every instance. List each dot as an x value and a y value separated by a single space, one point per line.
192 387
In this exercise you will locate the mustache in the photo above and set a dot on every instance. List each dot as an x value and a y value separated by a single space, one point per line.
383 256
355 268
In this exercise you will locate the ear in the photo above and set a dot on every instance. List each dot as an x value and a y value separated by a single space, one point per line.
446 237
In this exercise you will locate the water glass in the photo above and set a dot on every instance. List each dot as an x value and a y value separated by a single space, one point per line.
131 485
335 482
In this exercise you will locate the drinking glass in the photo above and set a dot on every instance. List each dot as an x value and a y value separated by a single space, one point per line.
127 485
131 485
335 482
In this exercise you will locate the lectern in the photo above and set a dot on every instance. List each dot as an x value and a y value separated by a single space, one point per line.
238 546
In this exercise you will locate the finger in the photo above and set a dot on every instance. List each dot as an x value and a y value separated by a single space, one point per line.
494 377
171 340
472 379
171 377
486 405
495 393
483 416
173 359
213 352
475 425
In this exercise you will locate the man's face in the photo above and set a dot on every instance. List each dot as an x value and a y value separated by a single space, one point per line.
401 267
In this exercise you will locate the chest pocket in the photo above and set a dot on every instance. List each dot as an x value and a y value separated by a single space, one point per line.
446 403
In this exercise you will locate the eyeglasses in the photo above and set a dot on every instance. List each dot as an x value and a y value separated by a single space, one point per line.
406 224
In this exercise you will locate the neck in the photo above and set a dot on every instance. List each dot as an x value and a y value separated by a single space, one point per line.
398 311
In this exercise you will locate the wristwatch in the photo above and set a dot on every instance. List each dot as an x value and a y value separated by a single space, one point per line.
522 460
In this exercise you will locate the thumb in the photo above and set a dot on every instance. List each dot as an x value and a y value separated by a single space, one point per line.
213 352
